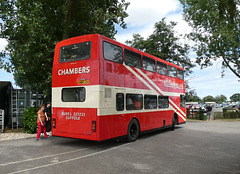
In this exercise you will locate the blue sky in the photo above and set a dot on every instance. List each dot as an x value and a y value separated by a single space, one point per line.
142 17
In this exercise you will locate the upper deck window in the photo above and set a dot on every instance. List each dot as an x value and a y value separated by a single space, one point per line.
180 74
149 64
172 71
161 68
132 59
112 52
79 51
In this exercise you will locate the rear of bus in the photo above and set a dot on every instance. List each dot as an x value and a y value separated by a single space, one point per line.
75 88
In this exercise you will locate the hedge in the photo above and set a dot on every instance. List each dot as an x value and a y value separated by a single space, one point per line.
30 120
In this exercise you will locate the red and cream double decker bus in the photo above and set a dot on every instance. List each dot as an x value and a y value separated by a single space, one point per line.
103 89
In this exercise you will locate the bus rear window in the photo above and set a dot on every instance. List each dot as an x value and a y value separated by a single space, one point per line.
79 51
74 94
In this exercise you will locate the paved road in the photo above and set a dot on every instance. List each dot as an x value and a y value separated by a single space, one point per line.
196 147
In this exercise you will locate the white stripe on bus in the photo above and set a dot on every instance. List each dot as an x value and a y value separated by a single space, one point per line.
160 91
164 93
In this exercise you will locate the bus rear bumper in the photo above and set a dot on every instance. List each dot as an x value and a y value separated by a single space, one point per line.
92 137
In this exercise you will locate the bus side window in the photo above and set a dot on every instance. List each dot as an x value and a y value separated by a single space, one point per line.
119 101
182 101
161 68
180 74
172 71
163 101
112 52
150 101
134 101
132 59
149 64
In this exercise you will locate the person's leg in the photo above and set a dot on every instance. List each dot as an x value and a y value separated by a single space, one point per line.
48 125
39 130
44 131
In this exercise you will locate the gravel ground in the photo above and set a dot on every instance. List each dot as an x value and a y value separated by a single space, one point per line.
18 135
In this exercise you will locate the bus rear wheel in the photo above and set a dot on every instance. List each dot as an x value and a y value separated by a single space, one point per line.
174 122
133 130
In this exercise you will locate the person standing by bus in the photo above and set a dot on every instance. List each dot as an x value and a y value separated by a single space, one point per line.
48 119
41 123
209 112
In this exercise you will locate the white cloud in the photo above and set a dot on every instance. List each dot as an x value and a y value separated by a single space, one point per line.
3 43
148 12
144 14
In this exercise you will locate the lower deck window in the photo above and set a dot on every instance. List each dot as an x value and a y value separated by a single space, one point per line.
74 94
150 102
163 102
134 101
120 102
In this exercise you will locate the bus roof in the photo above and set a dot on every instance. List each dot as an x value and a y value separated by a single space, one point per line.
122 45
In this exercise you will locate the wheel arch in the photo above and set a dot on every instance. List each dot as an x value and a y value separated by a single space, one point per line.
175 115
137 121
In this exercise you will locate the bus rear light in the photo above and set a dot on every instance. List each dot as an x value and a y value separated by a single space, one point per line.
93 126
54 123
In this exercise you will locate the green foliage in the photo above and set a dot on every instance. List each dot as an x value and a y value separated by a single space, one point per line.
216 31
220 98
191 96
30 120
209 98
32 29
164 43
235 97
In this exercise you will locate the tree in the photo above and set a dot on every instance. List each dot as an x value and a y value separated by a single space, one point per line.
216 31
209 98
235 97
220 98
164 43
32 29
191 96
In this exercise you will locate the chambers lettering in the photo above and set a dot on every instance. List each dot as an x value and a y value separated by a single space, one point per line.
80 70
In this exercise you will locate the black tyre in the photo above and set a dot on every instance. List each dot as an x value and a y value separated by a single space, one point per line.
133 131
173 123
